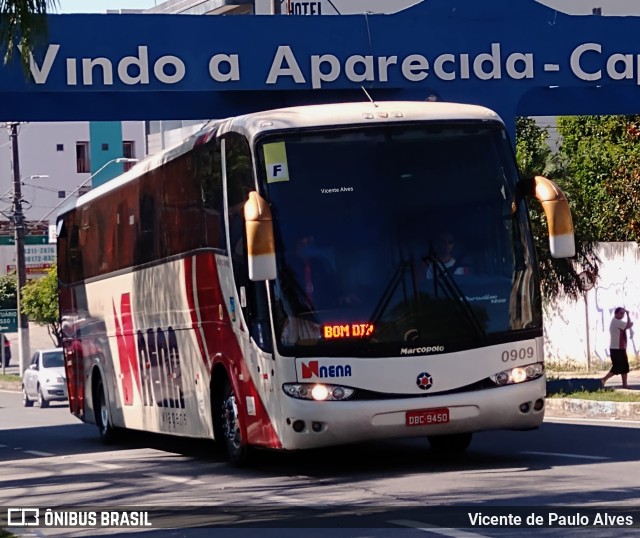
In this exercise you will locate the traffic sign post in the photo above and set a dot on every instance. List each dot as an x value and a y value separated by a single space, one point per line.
8 321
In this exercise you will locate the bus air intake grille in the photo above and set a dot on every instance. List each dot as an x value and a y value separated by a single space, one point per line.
363 395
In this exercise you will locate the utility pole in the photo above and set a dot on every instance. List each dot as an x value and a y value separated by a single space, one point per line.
21 270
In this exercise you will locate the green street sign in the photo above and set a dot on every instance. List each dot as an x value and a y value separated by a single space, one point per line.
8 321
28 240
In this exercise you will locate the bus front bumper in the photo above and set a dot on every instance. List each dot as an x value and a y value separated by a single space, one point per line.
309 424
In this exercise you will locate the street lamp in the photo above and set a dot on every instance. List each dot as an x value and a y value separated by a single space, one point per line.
117 160
20 232
21 269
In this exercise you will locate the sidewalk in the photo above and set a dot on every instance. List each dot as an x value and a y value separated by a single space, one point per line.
576 408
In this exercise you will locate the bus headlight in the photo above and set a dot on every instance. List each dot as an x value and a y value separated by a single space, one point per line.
317 391
519 374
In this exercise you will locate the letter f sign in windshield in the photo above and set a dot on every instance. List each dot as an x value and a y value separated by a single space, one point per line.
275 159
278 172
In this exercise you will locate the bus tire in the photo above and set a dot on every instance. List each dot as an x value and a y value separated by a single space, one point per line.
103 417
454 443
230 427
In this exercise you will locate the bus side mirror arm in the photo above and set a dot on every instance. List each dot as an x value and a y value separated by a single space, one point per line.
556 208
261 251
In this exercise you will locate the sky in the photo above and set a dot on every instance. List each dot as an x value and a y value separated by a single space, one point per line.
101 6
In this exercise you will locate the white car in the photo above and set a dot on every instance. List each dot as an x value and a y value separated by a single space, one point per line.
45 379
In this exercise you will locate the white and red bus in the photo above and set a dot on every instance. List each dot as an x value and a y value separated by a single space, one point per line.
188 308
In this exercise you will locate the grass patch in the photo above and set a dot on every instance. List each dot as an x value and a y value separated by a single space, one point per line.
603 395
8 377
564 366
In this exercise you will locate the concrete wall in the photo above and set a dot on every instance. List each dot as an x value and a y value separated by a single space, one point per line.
578 331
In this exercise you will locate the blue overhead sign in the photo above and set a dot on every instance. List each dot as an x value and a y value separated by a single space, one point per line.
516 57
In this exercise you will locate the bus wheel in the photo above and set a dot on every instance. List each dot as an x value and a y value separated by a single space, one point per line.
237 451
103 420
454 443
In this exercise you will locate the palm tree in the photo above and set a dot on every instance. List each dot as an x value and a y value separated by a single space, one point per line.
23 23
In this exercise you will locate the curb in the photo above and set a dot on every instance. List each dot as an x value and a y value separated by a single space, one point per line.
593 408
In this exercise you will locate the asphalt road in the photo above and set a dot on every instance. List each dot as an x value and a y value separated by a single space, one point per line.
395 488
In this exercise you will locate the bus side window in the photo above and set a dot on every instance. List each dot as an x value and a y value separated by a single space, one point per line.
146 238
75 255
208 172
240 182
122 252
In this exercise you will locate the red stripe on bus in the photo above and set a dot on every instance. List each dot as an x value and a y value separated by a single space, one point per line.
189 283
127 353
223 346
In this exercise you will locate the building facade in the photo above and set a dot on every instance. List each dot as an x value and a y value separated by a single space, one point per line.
57 161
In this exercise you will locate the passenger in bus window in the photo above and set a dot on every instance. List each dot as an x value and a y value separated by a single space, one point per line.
317 274
442 254
313 270
310 283
297 330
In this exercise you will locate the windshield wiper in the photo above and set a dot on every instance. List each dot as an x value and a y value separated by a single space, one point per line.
387 295
453 291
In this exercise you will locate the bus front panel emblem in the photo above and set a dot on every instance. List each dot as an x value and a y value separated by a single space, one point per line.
424 381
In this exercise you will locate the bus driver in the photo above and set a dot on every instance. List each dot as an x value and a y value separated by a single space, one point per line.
443 248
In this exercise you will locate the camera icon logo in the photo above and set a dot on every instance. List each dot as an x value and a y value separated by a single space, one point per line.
23 517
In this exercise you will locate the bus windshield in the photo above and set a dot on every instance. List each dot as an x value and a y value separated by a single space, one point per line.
405 237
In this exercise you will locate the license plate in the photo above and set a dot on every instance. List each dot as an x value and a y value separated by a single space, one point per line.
427 417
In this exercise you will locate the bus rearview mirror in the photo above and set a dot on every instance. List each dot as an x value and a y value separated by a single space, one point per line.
261 251
559 221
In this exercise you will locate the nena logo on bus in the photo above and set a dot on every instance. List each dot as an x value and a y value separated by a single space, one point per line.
161 377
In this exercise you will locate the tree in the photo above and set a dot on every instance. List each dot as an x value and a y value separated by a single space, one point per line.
8 292
23 24
559 276
40 304
603 156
